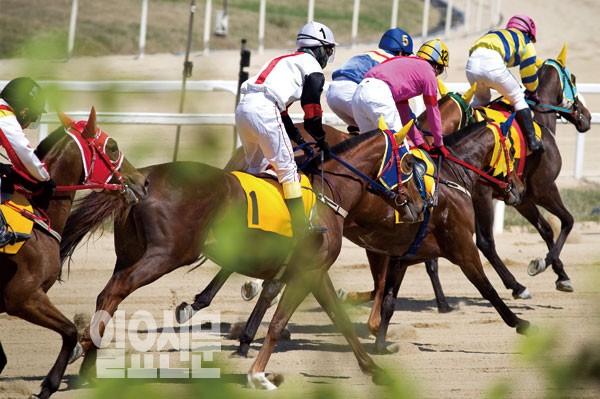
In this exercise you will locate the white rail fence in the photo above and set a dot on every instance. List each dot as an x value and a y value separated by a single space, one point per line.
472 12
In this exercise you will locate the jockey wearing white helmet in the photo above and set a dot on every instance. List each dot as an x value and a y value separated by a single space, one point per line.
264 126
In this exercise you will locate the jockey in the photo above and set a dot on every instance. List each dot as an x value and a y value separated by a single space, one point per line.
394 42
261 117
22 103
387 87
488 63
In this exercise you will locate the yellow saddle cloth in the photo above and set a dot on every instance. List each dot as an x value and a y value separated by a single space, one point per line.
16 221
499 117
266 207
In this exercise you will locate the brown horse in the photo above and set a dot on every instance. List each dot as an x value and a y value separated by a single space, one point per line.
150 241
556 86
371 213
26 276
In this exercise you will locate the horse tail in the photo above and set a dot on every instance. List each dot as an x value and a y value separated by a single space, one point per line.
90 215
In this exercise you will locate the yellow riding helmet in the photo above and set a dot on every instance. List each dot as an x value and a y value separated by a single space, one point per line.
434 51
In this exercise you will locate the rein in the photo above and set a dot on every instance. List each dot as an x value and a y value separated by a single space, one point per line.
502 184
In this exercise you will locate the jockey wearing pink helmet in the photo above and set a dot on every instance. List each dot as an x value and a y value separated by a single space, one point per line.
489 59
523 23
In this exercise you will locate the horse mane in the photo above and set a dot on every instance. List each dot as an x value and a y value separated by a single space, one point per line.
457 136
45 145
92 213
342 146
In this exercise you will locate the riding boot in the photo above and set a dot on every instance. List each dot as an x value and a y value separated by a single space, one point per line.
301 226
8 237
525 121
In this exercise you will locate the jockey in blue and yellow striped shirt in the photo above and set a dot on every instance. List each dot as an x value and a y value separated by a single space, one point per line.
489 60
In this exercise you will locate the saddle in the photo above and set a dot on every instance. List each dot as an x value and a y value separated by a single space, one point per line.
267 210
15 212
499 112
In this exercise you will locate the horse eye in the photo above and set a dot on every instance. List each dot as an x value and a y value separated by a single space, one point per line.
407 165
112 146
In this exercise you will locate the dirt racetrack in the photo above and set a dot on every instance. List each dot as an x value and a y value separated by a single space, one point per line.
462 354
455 355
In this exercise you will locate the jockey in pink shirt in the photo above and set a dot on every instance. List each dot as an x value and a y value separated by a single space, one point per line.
387 87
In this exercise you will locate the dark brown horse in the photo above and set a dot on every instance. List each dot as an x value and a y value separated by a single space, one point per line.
374 221
26 276
539 175
150 241
557 87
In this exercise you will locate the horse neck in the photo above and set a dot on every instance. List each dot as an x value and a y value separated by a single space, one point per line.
451 115
64 164
344 186
550 92
476 149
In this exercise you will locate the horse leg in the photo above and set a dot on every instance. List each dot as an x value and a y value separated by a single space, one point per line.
122 283
432 270
270 290
38 309
484 237
378 264
185 311
325 295
394 276
365 296
292 297
3 359
468 260
551 201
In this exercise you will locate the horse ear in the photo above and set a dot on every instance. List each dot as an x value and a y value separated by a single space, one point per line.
381 123
562 56
468 96
90 127
65 120
442 87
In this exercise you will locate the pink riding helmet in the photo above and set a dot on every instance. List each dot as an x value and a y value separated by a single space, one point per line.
523 23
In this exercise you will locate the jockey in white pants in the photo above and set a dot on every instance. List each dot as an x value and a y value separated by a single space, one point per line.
488 63
262 121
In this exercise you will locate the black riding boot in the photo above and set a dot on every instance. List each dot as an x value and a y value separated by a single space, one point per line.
300 224
525 121
9 237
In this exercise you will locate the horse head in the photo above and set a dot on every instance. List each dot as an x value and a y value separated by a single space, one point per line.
557 88
104 166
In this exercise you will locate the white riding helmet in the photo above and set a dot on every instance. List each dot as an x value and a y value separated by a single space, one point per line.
315 34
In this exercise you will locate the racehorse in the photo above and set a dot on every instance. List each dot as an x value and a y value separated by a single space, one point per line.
78 155
150 240
374 229
558 97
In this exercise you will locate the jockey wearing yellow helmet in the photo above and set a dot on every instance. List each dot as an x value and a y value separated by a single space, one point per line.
489 60
387 87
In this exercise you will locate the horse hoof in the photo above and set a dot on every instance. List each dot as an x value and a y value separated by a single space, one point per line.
525 328
381 377
525 294
260 381
342 294
536 266
393 348
76 354
565 286
184 312
445 308
250 289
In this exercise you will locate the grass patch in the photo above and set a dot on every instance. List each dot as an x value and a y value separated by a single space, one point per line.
579 202
112 26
